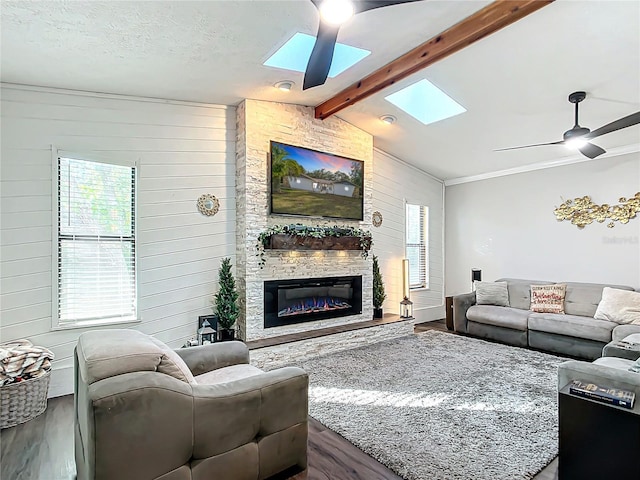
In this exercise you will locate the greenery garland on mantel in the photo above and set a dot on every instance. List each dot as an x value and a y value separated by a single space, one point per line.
314 232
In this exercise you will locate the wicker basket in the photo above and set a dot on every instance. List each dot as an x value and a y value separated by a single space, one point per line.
22 401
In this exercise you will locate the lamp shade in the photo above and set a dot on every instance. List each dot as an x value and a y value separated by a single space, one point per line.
405 278
406 305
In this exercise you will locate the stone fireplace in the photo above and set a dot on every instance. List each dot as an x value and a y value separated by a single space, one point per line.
258 123
287 302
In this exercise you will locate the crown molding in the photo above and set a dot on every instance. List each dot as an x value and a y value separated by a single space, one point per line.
577 158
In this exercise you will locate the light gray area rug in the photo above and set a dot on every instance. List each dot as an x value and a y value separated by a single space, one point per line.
440 406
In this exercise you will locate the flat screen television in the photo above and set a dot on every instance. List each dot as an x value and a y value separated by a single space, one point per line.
309 183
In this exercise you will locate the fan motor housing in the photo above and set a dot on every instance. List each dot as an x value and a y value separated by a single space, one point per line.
575 132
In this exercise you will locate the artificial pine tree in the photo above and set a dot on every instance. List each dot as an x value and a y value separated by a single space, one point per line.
226 300
378 289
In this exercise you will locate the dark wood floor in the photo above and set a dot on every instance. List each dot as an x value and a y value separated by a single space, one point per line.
42 449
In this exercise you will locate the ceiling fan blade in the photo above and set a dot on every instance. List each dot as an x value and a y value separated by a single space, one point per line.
527 146
321 56
590 150
364 5
619 124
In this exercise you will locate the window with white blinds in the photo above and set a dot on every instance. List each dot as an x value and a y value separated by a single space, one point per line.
416 247
96 242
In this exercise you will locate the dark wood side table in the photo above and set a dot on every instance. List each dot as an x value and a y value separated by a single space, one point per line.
597 440
448 305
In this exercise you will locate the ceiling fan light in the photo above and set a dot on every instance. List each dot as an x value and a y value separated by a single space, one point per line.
336 12
575 143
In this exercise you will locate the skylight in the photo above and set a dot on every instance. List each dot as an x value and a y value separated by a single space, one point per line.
294 55
426 102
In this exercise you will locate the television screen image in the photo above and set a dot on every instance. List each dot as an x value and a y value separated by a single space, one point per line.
311 183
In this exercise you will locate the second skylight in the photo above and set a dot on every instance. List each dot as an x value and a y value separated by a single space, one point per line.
426 102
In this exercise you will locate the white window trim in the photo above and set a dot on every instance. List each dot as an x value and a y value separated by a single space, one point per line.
420 289
55 154
426 237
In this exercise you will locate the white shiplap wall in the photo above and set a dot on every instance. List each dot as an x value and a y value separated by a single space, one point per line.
394 183
183 150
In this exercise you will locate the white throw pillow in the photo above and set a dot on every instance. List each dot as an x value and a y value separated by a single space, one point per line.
620 306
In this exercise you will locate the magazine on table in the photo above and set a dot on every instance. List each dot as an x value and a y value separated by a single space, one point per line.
611 395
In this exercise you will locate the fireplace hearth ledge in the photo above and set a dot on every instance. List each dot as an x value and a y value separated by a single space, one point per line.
273 352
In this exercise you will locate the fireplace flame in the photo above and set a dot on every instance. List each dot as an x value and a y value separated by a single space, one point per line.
314 305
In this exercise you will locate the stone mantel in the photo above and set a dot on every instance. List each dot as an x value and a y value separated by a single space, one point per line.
281 241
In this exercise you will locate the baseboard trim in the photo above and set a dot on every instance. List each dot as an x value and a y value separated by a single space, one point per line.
429 314
61 382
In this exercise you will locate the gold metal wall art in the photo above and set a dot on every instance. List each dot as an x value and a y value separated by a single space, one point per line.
582 211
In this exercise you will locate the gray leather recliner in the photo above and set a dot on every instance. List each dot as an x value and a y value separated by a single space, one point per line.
145 411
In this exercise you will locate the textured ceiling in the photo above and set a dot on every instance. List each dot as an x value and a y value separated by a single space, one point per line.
514 83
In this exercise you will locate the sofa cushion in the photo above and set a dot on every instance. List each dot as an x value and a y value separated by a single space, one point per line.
548 298
520 291
228 374
491 293
583 298
572 326
506 317
619 306
107 353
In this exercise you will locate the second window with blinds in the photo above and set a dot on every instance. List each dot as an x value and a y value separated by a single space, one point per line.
416 245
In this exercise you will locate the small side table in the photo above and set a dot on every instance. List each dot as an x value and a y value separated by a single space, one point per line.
597 440
621 349
448 305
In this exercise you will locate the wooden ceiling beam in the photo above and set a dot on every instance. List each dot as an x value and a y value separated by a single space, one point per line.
484 22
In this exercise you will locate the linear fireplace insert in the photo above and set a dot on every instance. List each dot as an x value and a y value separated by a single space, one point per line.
304 300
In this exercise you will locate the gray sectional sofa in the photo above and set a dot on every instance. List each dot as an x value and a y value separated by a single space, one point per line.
575 333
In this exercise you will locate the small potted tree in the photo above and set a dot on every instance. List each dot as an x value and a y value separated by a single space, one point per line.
226 302
378 289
